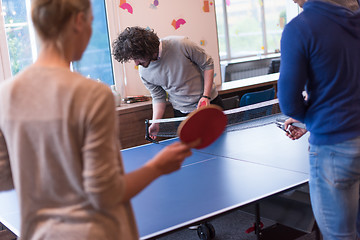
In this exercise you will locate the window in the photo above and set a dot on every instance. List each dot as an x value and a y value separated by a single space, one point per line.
18 33
96 62
249 27
245 28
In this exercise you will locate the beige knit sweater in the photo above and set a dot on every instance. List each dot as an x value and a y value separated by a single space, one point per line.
58 133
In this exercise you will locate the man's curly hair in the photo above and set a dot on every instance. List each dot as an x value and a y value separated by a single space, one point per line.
135 43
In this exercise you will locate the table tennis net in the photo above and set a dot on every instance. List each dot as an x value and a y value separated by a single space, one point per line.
250 116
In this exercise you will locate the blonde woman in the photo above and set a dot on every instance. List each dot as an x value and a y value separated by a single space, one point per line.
58 139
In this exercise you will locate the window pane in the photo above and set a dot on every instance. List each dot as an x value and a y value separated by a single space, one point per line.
245 30
246 26
17 34
275 18
96 61
219 7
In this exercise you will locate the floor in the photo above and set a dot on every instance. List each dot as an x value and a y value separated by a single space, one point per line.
233 226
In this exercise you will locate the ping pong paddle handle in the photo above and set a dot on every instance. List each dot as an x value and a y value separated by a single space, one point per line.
195 143
202 103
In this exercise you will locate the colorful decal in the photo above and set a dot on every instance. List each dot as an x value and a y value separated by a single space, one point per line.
176 23
206 6
154 4
126 6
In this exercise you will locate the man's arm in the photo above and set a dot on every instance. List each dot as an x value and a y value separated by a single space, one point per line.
158 110
198 55
205 63
293 73
158 95
166 161
158 113
208 83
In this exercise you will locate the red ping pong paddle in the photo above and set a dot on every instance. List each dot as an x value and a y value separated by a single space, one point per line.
204 125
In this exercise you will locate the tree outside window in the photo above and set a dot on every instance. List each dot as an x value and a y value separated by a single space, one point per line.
17 32
249 27
96 61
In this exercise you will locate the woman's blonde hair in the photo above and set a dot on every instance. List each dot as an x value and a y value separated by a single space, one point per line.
51 16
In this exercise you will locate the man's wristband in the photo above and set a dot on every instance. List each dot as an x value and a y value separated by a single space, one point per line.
204 96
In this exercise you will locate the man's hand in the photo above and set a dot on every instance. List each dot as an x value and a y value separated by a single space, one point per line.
203 102
170 158
153 130
292 131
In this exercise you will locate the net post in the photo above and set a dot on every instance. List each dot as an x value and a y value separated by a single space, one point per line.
147 135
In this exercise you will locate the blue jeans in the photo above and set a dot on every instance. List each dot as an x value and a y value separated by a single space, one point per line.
334 189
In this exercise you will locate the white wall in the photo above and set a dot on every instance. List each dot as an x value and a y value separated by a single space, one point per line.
200 27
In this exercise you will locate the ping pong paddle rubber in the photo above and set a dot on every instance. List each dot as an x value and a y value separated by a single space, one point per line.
205 124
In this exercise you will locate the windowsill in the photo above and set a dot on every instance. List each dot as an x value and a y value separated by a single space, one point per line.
224 88
249 59
131 117
248 83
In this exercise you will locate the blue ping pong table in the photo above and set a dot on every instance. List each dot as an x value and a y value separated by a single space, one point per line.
240 168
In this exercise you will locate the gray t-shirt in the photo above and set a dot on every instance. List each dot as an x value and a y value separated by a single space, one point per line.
178 74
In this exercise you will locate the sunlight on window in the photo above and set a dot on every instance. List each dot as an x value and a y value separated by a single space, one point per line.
17 34
275 19
249 27
96 61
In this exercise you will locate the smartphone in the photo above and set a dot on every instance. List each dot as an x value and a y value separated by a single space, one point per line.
280 124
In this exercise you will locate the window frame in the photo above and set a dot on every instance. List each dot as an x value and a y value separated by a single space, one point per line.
228 56
113 29
113 23
292 10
